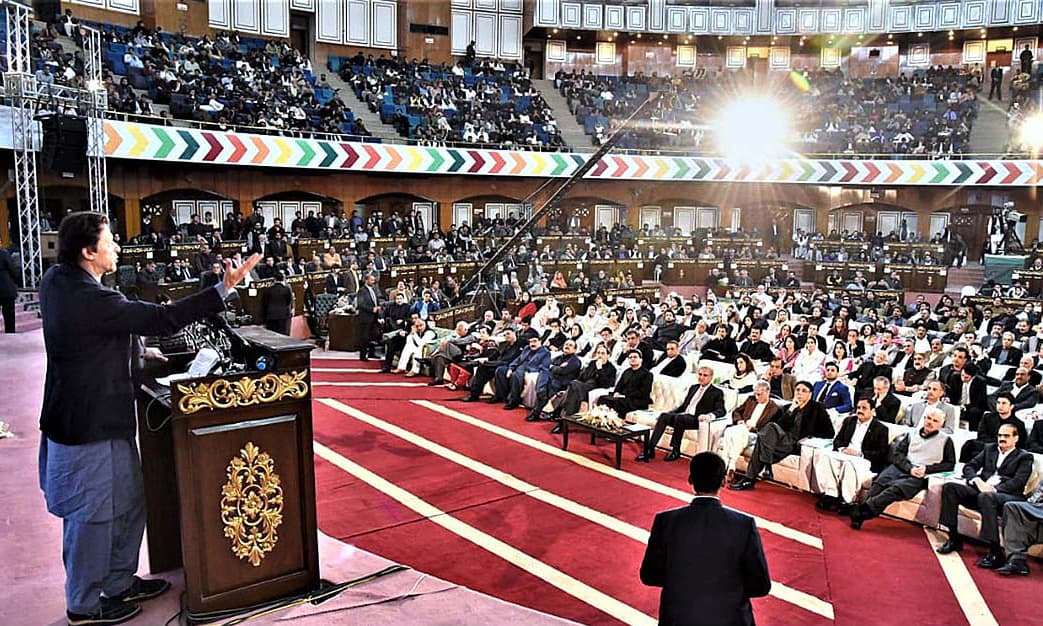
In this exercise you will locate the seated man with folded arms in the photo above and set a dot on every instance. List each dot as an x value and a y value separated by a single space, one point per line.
996 476
989 428
633 390
672 362
748 418
860 450
916 454
1022 529
912 414
703 403
803 418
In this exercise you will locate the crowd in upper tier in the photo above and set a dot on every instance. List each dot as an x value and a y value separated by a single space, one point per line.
472 101
929 113
241 81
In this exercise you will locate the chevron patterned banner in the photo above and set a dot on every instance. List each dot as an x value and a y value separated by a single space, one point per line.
126 140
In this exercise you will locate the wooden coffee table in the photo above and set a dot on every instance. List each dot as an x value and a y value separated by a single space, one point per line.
629 432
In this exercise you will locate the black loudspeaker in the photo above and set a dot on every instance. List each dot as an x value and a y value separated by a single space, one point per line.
64 146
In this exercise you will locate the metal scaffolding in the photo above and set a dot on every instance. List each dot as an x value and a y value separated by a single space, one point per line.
28 97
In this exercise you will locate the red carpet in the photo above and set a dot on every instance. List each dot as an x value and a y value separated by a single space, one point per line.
870 577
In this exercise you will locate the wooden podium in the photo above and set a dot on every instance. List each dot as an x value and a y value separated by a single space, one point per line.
230 479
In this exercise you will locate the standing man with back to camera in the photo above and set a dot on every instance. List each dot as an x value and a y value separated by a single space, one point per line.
707 557
90 472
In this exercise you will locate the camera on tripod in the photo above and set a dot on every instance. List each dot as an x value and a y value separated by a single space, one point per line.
1012 216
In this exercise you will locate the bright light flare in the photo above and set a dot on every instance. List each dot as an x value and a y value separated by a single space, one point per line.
752 128
1032 132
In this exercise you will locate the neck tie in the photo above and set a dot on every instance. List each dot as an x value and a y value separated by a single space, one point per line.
825 392
695 401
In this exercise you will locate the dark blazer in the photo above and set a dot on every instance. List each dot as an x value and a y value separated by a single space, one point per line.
838 398
719 349
1028 397
887 411
875 446
709 561
563 370
989 428
711 402
1014 472
334 282
978 398
745 410
601 378
1035 441
87 328
1013 355
676 367
366 304
636 387
8 276
277 302
757 350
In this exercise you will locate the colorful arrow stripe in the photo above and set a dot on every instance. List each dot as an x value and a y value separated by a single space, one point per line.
125 140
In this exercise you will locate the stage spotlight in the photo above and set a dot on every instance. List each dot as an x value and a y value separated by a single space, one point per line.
1032 132
751 128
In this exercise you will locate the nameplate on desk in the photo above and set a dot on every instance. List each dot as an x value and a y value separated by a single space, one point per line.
251 292
636 428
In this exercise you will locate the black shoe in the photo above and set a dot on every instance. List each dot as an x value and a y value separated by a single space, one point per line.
435 383
547 417
1014 567
557 429
950 546
111 612
672 456
143 589
827 503
532 417
743 485
510 406
645 457
495 400
385 370
768 473
993 560
858 514
469 399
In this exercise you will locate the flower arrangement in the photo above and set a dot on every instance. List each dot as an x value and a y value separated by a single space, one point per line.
602 417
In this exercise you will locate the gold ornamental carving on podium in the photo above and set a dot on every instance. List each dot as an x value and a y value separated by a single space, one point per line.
251 504
223 393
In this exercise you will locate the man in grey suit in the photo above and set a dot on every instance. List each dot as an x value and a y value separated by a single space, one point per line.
451 348
707 558
1022 529
912 414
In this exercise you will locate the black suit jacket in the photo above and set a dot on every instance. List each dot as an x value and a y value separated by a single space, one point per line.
636 386
1028 397
888 409
277 302
1014 472
87 329
709 561
875 446
1013 355
711 402
8 276
366 304
978 398
757 350
675 367
601 378
1035 441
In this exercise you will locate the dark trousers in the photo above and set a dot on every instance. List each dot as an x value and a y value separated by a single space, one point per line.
545 388
773 445
621 406
482 375
280 326
892 485
501 384
7 305
987 503
995 87
393 346
1022 527
366 330
679 422
575 395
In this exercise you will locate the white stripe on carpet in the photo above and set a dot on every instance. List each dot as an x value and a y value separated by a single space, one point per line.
962 584
787 594
575 588
651 485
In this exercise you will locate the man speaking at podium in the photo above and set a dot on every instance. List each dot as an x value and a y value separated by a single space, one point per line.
90 472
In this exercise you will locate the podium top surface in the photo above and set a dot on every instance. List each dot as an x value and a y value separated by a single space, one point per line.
273 341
